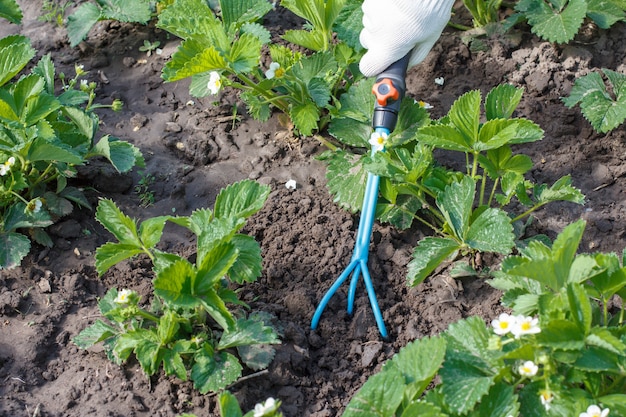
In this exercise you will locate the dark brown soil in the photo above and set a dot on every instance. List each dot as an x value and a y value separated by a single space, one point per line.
194 148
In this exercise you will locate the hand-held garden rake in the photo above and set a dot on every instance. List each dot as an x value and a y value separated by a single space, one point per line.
389 90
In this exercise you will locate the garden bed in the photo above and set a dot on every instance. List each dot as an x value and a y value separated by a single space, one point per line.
194 147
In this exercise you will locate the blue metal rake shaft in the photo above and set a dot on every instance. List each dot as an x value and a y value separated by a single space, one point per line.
358 263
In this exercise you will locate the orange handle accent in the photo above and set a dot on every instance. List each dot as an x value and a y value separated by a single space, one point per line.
384 90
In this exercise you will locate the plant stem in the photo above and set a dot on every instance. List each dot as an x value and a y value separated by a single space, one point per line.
146 315
527 212
264 93
325 142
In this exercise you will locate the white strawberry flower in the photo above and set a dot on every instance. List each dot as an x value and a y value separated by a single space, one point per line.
525 325
528 369
5 168
266 409
503 324
595 411
274 71
215 82
378 140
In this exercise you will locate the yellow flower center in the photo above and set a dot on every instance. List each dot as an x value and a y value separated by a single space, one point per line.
525 326
279 72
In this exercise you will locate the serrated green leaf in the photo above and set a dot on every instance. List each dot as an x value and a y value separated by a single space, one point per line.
214 373
236 13
93 334
346 179
470 335
455 203
491 231
10 10
247 332
599 107
193 57
501 401
561 190
501 101
556 22
603 338
122 155
149 352
81 21
45 69
229 405
241 199
248 266
580 307
466 379
595 359
213 266
173 364
429 253
16 217
310 40
257 30
43 150
38 107
380 396
121 226
245 53
349 23
400 213
465 115
13 248
15 52
614 402
418 373
551 266
256 357
186 18
150 230
422 409
305 117
319 91
561 334
127 11
604 13
175 284
111 254
444 137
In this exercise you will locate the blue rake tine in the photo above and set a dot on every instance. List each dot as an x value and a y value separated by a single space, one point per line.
358 263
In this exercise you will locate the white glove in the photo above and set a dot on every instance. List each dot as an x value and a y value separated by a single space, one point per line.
392 28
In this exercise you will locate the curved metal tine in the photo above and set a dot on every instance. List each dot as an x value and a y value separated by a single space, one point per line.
332 290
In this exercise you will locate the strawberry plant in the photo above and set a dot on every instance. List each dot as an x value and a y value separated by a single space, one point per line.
560 20
602 104
43 138
89 13
189 329
483 11
466 211
226 50
562 353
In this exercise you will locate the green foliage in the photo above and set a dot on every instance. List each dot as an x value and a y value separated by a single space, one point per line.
10 10
459 207
569 357
226 50
54 12
189 330
483 11
43 137
603 106
88 14
560 20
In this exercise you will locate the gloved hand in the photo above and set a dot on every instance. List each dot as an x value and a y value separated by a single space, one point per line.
392 28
